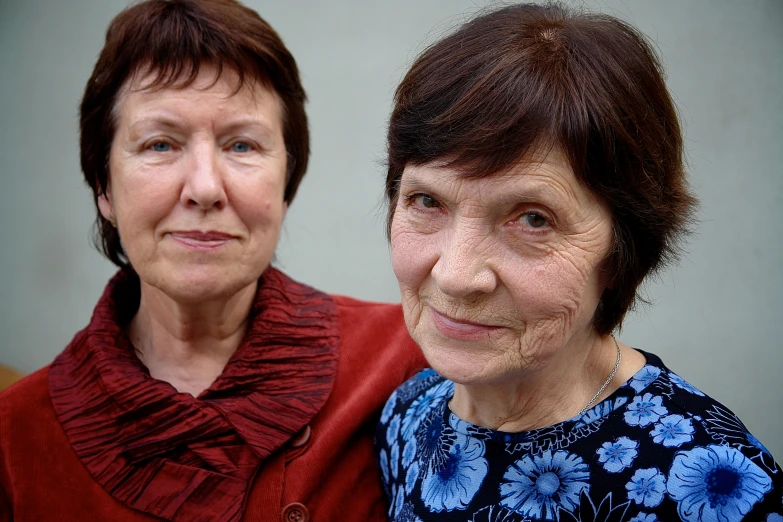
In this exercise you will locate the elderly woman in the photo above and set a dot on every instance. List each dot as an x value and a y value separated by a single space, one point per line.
207 386
535 180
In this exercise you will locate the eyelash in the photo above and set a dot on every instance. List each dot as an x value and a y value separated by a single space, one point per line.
251 146
410 201
151 145
529 229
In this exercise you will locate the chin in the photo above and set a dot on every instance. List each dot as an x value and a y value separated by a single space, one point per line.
194 285
461 365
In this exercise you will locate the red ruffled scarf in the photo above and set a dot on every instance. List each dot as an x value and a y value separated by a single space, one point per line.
183 458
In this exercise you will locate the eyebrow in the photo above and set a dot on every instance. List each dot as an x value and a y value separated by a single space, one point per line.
176 124
535 192
414 183
255 124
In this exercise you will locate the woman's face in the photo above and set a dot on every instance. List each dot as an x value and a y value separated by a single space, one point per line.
197 177
498 275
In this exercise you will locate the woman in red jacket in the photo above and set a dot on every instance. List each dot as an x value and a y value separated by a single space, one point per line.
208 385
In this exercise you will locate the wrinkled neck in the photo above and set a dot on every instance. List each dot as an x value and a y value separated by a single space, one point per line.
188 345
548 395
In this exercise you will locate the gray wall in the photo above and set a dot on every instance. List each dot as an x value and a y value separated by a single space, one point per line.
716 318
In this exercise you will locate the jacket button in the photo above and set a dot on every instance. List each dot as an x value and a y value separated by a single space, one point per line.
302 438
295 512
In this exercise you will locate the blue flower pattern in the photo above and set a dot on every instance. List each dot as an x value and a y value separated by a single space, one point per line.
658 449
647 487
645 410
388 409
394 459
644 517
716 483
453 484
538 486
409 452
393 430
672 430
422 405
411 477
618 455
683 384
644 377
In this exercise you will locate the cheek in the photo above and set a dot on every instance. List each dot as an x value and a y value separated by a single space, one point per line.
259 203
261 210
142 193
559 289
413 254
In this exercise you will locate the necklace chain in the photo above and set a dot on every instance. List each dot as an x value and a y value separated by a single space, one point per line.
608 380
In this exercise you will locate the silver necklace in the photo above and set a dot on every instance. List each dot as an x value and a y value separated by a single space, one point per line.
608 380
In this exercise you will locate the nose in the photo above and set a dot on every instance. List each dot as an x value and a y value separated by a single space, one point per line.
204 181
464 266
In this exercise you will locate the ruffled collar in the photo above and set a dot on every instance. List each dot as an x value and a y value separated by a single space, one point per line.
183 458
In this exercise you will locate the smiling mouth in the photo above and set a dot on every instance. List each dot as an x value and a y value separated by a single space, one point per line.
460 329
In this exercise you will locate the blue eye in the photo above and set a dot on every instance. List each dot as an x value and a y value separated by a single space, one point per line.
161 146
240 146
534 220
424 200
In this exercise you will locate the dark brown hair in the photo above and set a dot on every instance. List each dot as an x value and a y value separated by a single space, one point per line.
483 98
172 39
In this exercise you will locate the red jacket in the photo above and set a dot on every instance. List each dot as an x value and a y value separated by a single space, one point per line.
326 471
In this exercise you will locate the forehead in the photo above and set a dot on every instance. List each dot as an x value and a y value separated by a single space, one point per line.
222 91
546 174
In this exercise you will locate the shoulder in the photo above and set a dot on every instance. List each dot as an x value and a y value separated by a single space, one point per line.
417 398
376 332
26 409
682 399
30 392
370 311
27 419
697 441
376 353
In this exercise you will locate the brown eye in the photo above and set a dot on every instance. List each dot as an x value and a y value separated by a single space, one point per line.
534 220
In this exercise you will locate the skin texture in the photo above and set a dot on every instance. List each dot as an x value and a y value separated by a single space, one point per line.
197 176
500 278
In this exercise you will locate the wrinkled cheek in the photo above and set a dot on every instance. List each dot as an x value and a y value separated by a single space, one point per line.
552 299
410 253
412 261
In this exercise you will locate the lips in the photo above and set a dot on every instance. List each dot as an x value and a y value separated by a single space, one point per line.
197 235
204 240
460 329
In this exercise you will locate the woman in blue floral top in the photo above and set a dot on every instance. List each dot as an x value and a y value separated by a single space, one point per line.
535 180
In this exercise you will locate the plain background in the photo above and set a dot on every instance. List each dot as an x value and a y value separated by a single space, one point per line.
716 318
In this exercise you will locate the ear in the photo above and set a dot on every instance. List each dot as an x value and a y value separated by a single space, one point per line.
104 205
285 208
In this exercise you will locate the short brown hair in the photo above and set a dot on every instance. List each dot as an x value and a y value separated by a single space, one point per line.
482 98
173 39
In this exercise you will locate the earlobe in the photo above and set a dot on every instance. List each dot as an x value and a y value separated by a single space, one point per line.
104 205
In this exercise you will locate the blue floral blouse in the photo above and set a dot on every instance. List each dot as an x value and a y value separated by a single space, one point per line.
657 450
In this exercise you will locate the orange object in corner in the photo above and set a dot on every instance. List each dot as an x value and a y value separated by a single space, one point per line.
8 376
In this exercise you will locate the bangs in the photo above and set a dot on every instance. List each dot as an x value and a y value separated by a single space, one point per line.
172 41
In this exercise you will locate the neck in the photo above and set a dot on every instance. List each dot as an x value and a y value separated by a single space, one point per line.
547 395
188 345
